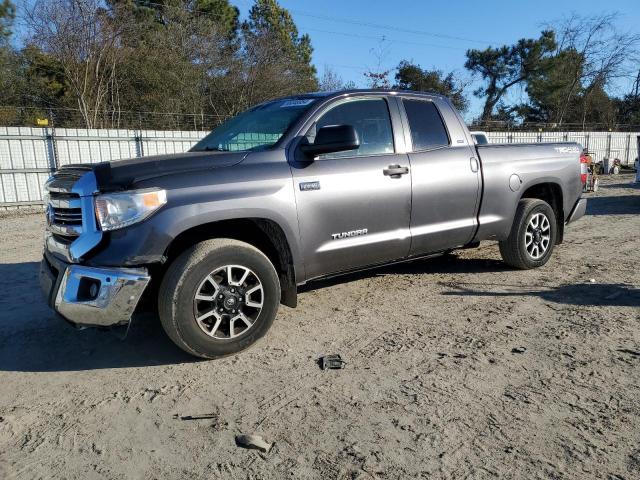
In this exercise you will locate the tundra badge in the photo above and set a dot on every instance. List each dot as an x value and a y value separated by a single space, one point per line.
352 233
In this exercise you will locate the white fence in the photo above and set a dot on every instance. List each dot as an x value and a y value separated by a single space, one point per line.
620 145
29 155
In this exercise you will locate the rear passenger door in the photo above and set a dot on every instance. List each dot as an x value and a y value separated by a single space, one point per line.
445 176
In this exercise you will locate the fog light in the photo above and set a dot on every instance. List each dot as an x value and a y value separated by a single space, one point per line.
89 289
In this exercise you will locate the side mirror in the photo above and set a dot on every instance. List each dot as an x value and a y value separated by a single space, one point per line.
332 138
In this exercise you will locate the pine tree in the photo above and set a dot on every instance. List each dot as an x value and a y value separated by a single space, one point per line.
267 19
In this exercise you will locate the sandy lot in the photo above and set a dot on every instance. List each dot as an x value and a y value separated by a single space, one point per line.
433 387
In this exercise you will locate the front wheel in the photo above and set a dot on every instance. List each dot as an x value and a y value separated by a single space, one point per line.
532 237
218 297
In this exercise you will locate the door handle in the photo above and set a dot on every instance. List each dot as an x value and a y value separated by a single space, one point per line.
473 161
395 171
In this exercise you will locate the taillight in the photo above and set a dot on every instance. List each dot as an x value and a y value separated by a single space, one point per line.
583 169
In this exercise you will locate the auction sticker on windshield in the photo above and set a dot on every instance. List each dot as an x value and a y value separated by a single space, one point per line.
297 103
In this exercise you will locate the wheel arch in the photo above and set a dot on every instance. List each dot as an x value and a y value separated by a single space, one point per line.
263 233
550 192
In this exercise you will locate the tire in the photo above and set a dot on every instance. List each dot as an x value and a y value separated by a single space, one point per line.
211 326
518 250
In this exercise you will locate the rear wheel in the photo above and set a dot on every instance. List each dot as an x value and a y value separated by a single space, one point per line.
218 297
532 237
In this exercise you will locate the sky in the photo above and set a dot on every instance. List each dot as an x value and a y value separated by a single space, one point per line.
441 31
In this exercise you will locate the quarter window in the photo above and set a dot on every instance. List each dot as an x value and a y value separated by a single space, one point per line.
427 129
370 118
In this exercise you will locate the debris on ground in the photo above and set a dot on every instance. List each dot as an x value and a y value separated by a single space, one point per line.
205 416
518 350
629 351
333 362
253 442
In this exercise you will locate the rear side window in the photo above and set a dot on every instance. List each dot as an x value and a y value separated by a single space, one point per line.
480 139
427 129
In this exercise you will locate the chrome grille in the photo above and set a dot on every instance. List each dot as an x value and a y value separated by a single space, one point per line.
67 216
64 210
72 230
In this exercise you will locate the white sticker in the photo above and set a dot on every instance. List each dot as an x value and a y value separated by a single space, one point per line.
567 149
296 103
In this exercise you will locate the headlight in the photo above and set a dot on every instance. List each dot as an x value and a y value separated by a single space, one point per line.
118 210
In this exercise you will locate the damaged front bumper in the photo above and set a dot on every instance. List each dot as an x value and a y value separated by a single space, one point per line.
89 296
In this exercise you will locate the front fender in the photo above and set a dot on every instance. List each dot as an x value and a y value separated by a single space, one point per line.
256 191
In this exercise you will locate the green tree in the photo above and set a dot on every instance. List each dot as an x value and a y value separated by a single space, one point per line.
550 89
33 86
572 87
507 66
269 21
628 110
412 77
176 62
173 56
222 13
7 14
8 63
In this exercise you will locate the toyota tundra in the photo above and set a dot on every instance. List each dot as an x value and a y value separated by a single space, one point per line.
288 192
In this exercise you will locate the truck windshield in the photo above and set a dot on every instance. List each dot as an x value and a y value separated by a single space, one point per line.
256 129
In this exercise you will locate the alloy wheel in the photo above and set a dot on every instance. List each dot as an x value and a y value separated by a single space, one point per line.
228 302
537 237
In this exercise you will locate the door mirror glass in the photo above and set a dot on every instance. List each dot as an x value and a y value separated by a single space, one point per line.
331 139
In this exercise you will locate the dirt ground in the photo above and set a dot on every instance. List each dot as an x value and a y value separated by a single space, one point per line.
456 368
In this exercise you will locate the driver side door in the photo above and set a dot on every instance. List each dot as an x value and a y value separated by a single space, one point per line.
353 211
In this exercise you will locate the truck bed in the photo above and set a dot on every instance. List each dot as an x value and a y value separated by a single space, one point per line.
508 170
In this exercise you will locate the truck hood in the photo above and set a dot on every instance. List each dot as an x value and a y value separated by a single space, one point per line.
121 174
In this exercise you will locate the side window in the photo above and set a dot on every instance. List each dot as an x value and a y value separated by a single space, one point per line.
370 118
427 129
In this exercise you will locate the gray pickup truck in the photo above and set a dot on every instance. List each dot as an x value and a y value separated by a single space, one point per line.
290 191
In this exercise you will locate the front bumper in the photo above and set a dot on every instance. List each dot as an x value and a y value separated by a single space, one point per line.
578 211
92 297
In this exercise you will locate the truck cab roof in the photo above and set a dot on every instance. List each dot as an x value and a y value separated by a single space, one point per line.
386 91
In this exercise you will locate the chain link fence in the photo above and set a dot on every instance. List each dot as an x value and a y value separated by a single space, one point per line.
112 119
